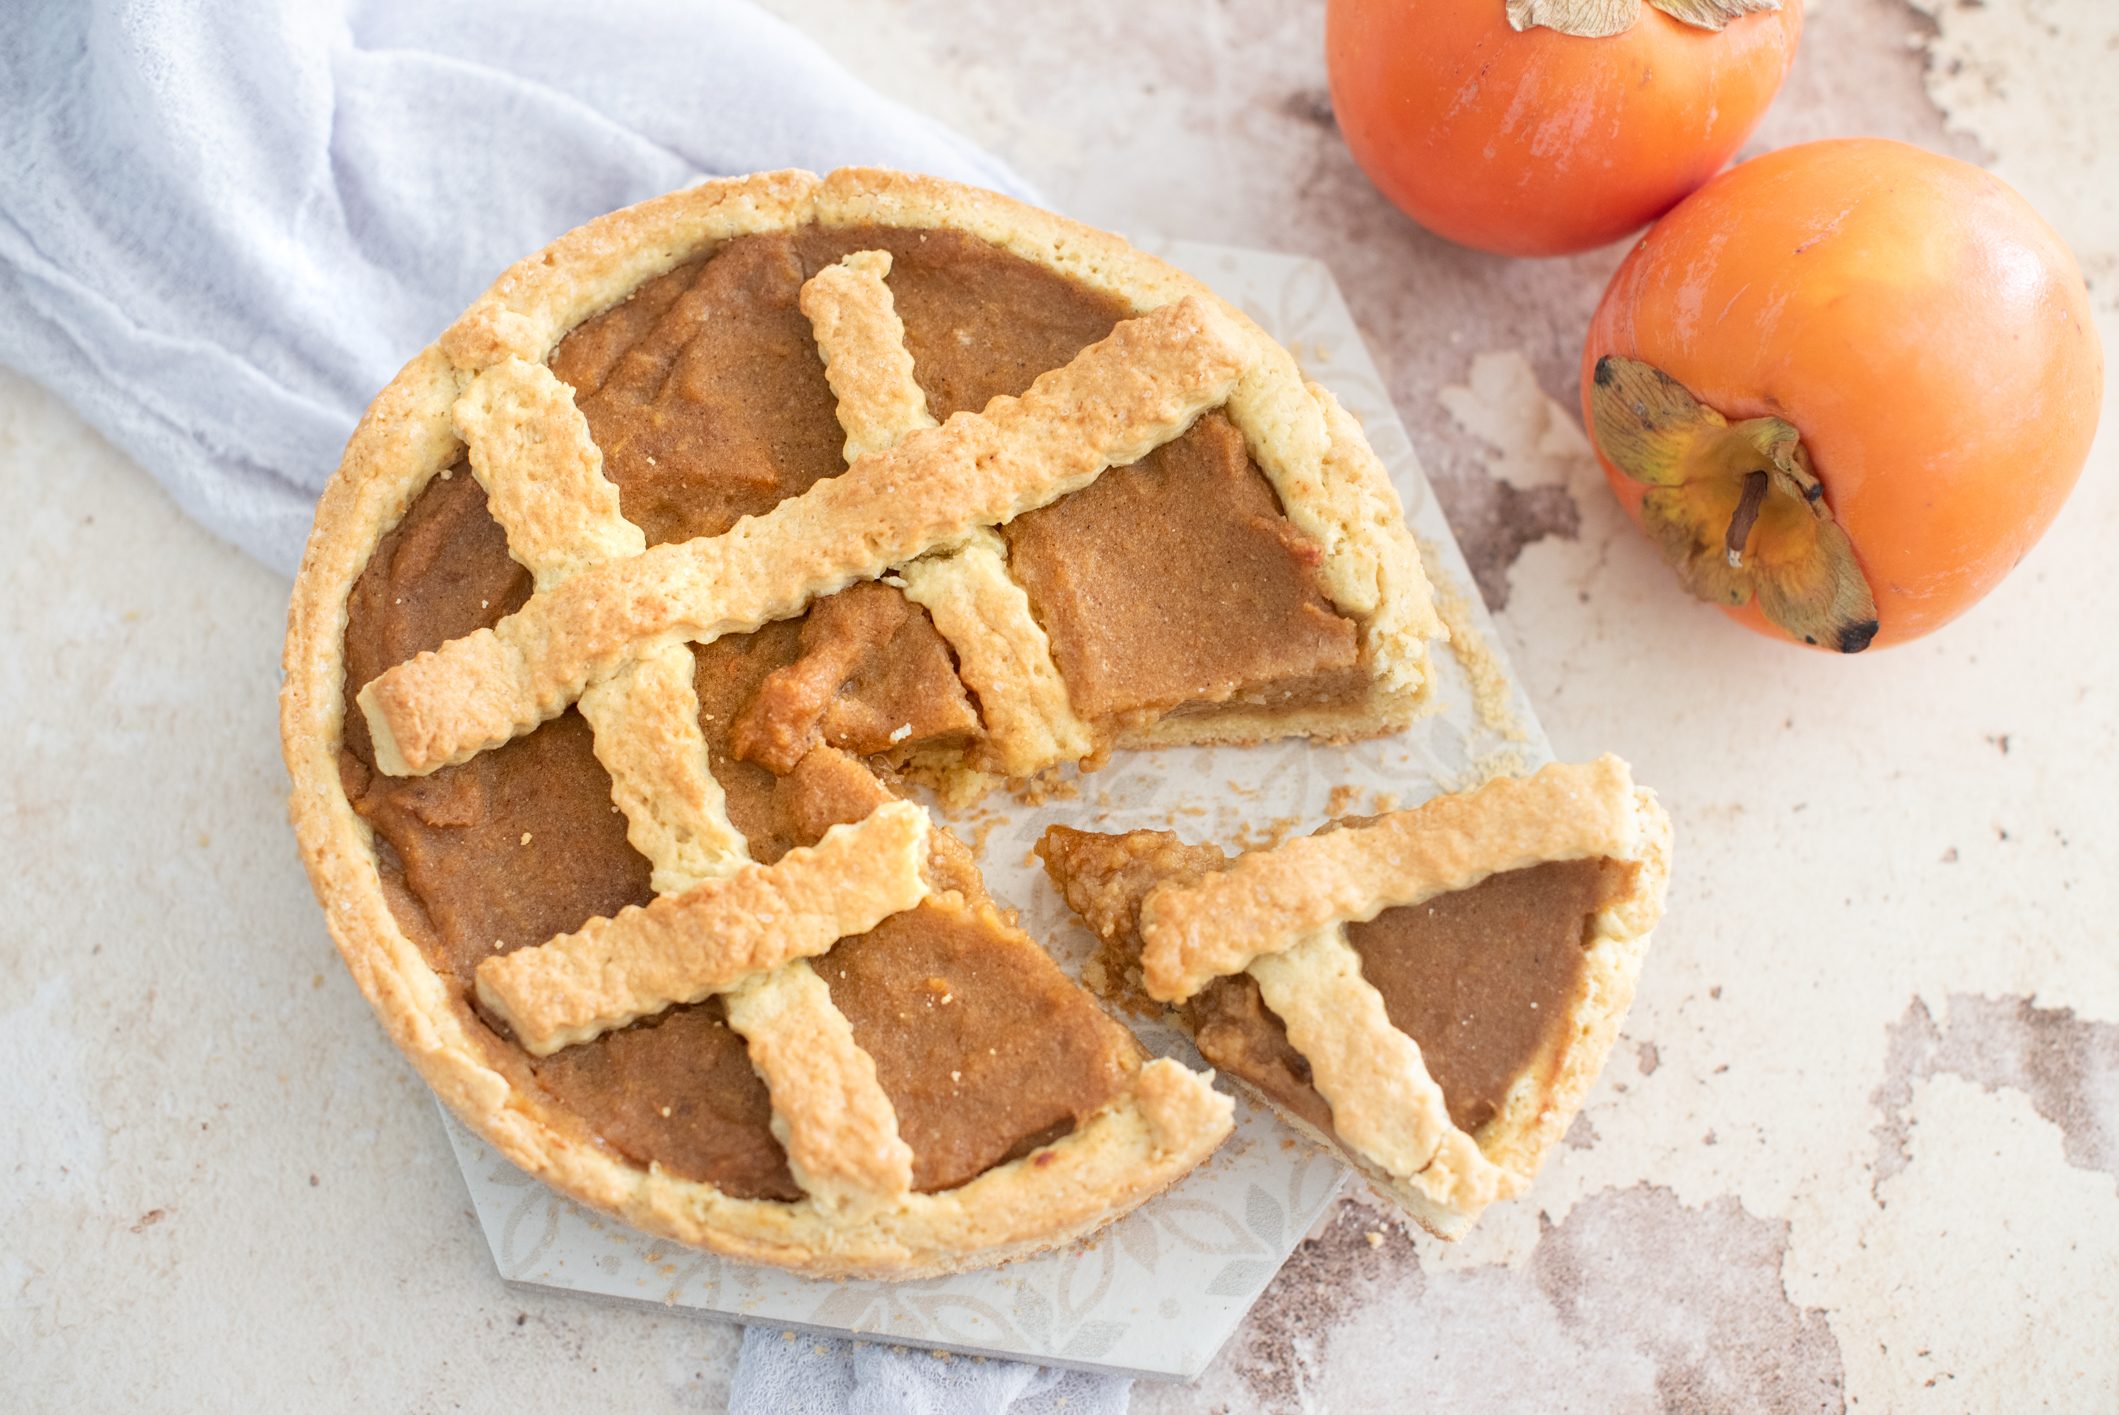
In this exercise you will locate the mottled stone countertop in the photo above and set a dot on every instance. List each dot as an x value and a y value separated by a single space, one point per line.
1860 1145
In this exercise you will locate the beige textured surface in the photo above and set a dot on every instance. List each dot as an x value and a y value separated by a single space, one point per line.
682 948
1887 989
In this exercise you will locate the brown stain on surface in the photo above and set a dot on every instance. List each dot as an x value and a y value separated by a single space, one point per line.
1285 1338
1699 1292
1695 1294
1495 520
2068 1067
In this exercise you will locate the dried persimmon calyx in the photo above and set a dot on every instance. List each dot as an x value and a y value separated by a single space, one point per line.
1736 507
1600 19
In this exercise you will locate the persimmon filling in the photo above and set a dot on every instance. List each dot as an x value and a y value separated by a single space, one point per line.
707 397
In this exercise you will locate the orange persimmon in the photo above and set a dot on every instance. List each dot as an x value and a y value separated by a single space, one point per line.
1539 127
1845 386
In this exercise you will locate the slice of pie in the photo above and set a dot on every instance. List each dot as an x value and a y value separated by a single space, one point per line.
1432 991
640 594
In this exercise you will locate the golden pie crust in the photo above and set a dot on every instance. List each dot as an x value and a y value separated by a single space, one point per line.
1281 915
608 630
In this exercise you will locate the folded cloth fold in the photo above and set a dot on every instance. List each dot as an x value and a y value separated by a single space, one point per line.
794 1373
224 226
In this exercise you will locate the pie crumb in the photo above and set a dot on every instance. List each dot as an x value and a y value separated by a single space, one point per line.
1375 1239
1492 694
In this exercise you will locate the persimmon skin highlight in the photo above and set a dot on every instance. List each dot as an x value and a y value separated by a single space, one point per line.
1923 328
1542 143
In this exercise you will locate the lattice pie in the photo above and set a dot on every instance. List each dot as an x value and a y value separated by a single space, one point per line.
641 591
1431 991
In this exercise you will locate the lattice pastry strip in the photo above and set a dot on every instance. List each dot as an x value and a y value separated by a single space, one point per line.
682 948
1116 401
1384 1103
1269 899
646 720
1003 656
862 342
1002 652
530 448
830 1113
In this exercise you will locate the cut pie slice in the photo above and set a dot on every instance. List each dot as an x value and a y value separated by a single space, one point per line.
1431 991
638 595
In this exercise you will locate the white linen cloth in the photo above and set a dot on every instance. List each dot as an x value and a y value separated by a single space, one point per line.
223 226
796 1373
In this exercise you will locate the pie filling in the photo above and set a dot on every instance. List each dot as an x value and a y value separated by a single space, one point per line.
1485 979
1224 607
1172 585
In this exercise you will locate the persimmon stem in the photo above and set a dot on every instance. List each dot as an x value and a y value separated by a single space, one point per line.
1747 509
1707 484
1600 19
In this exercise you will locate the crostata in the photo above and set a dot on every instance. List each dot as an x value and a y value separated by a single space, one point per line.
643 595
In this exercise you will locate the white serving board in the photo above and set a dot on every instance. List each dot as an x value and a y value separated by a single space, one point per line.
1158 1293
